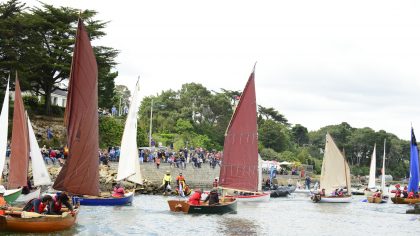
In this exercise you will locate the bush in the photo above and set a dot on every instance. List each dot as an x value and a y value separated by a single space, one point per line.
110 132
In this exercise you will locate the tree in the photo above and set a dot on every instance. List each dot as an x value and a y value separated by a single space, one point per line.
45 39
274 135
272 114
300 134
122 97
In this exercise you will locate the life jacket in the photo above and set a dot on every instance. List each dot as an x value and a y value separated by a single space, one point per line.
2 203
166 178
118 192
411 194
180 178
195 199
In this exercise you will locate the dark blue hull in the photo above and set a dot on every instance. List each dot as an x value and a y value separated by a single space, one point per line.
110 201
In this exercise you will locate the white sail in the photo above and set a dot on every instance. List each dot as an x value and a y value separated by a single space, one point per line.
383 170
129 166
372 170
335 172
39 170
4 125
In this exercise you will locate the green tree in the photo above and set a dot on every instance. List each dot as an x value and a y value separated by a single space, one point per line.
300 134
274 135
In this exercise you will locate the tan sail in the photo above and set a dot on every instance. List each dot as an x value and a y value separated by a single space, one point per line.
19 157
80 174
335 172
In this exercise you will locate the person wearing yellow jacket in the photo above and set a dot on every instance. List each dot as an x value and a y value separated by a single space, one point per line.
166 182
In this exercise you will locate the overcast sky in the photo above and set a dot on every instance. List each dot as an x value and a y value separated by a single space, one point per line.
319 62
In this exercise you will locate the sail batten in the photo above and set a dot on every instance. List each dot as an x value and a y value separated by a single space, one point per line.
4 126
129 166
19 157
239 168
80 173
335 172
372 169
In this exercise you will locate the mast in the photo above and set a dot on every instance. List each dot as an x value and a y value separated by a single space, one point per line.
80 173
383 170
345 173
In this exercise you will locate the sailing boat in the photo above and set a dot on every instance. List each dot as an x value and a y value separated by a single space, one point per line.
39 170
413 184
335 175
12 194
371 189
80 173
383 197
128 166
239 172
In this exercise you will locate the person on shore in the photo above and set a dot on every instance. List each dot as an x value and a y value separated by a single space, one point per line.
118 191
195 198
56 204
308 182
166 182
3 204
215 183
38 205
213 197
157 161
180 182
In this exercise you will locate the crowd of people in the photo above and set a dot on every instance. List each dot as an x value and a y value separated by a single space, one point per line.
404 192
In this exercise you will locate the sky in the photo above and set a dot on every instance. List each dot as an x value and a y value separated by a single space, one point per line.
318 62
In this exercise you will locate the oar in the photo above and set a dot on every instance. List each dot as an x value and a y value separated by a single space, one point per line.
27 214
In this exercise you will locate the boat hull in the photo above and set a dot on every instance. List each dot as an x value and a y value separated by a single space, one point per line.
43 224
400 200
101 201
319 199
183 206
259 197
372 199
11 195
26 197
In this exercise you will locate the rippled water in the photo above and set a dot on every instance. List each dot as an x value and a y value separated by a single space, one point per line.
296 215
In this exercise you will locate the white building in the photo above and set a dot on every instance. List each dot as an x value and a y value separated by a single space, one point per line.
58 97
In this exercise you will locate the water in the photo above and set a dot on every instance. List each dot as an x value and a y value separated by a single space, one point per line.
149 215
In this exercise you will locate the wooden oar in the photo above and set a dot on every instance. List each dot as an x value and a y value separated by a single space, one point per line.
27 214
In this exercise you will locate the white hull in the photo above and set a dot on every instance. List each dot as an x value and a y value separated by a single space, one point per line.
335 199
29 196
303 191
263 197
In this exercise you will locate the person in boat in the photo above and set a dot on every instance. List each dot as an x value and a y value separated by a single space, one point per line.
377 194
195 198
213 197
323 192
38 205
341 192
118 191
27 189
57 203
405 192
166 181
397 190
410 195
3 204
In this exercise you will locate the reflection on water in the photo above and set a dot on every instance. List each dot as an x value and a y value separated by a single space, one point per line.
296 215
237 226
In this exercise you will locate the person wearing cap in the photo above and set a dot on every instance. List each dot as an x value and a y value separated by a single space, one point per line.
3 204
213 197
195 198
166 181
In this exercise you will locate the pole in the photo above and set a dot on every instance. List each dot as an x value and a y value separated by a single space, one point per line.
150 128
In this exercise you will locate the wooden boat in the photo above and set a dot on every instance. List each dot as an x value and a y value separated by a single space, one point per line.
241 167
226 206
413 183
12 194
401 200
13 221
101 201
373 199
80 173
335 174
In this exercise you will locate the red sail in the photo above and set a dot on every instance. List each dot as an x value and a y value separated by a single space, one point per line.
240 152
19 157
80 174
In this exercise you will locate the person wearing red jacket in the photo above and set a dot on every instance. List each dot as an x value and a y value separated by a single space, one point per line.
57 203
195 198
38 205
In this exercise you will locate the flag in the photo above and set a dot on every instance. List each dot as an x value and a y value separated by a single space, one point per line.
413 184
